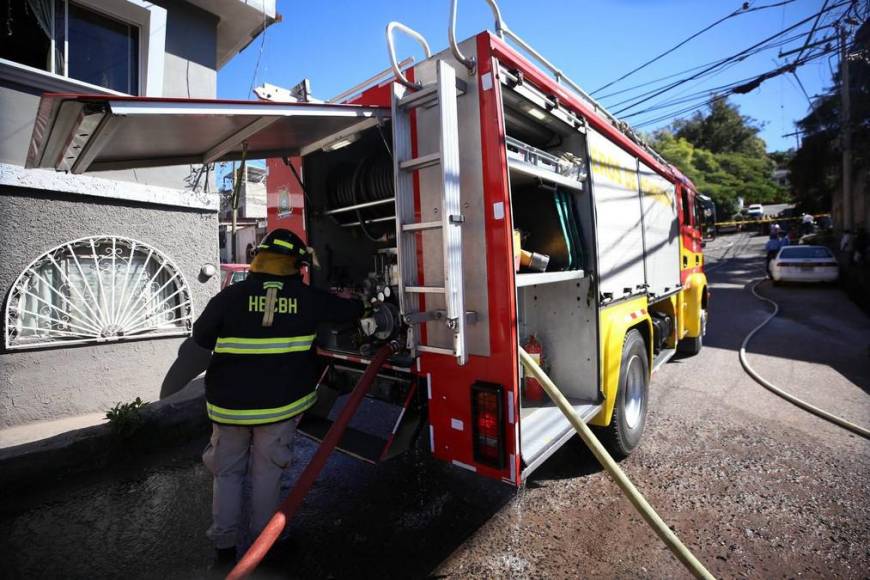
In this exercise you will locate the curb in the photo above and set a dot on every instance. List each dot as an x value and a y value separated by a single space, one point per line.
175 419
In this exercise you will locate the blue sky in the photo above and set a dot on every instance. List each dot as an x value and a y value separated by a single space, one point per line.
338 43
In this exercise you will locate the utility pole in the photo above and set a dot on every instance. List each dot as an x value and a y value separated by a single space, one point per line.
239 181
233 213
234 202
846 133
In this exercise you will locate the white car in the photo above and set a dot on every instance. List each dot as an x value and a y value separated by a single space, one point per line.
804 264
756 210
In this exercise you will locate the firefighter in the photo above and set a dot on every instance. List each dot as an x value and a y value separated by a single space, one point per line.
261 376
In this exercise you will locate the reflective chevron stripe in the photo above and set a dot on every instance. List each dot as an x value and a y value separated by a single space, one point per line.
260 416
280 345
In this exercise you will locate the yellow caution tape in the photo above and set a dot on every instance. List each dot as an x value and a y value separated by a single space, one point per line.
766 220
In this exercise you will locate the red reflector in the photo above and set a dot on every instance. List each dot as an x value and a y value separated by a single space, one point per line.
488 420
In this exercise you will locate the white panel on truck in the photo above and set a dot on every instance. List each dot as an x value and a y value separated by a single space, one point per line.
617 208
661 232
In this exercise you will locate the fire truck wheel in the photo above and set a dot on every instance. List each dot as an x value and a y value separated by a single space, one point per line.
692 346
629 416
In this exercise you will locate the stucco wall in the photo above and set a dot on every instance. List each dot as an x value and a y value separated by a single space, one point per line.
43 384
190 66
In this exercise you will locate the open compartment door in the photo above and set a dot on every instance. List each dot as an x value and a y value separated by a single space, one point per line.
79 133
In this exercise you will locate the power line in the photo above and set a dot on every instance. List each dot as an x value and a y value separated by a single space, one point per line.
716 67
740 55
741 86
259 53
745 9
777 44
733 88
812 31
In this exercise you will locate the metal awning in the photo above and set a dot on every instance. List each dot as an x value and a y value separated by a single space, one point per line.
79 133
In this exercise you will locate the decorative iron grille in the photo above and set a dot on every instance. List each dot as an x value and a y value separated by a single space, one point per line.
94 290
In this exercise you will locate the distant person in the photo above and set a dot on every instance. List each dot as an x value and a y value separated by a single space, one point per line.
807 223
772 247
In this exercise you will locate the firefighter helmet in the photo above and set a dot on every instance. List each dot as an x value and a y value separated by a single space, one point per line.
285 242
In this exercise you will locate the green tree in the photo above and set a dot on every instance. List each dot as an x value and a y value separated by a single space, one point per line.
723 156
721 130
816 169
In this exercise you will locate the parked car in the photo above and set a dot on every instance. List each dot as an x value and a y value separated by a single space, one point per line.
232 273
804 264
755 211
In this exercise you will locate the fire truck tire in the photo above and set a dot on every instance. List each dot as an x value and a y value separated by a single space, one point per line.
629 415
692 346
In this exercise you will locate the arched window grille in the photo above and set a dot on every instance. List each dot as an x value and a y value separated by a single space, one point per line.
97 289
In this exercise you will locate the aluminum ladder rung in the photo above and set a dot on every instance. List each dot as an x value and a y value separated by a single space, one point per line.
439 99
425 289
435 350
428 95
416 227
417 163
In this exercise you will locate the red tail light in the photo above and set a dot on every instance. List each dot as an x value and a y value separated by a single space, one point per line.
487 413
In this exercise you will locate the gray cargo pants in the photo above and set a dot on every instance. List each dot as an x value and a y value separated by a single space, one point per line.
268 450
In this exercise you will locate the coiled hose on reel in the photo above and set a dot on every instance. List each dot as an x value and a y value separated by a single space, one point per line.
370 179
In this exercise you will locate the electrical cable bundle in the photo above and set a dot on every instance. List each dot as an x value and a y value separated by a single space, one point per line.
628 107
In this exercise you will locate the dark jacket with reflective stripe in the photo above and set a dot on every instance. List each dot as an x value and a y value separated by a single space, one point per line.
263 374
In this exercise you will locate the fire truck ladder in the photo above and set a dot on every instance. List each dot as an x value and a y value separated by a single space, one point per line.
441 94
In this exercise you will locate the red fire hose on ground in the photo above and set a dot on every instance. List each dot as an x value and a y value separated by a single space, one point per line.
287 509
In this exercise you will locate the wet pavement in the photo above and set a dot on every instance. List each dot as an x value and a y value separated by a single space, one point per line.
753 485
148 520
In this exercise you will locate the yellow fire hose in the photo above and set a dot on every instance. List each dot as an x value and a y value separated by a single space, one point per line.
652 518
857 429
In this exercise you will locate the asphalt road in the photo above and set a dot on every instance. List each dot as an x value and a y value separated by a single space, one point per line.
754 486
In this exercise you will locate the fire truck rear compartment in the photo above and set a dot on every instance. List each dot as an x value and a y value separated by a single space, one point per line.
350 224
552 213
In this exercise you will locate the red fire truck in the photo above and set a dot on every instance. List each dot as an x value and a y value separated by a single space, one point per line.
478 202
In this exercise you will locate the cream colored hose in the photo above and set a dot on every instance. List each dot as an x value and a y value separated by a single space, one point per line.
652 518
857 429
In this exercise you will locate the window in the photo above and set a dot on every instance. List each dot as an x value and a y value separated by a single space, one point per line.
97 289
72 40
805 252
687 209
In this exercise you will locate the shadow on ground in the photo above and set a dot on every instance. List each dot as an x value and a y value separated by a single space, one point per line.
816 323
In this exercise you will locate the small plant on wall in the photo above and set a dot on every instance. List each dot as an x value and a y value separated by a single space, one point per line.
126 418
